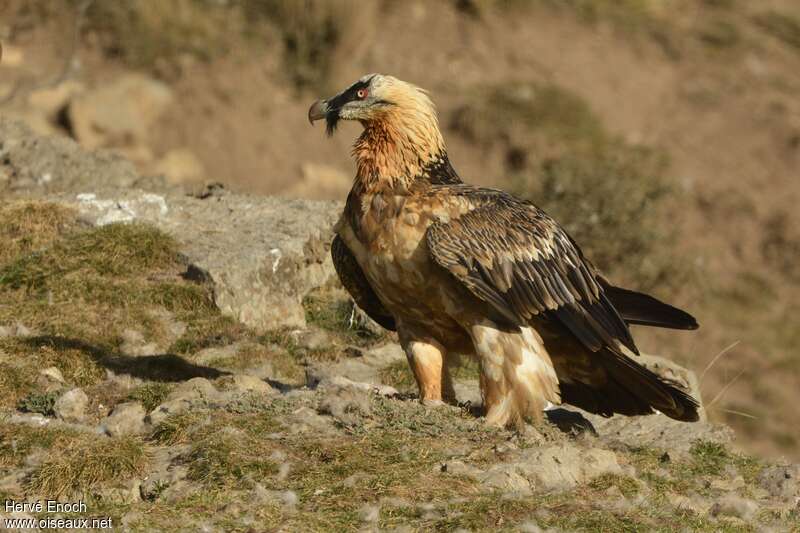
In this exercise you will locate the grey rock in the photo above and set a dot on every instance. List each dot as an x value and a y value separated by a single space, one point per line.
658 431
71 406
261 254
126 419
460 468
676 374
505 479
31 164
555 467
183 398
193 388
566 465
307 420
341 382
364 370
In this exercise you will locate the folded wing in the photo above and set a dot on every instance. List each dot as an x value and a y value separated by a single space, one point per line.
512 255
356 283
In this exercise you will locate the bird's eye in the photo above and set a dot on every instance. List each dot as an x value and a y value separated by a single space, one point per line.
361 93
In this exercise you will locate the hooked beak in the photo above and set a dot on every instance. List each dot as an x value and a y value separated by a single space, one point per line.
317 111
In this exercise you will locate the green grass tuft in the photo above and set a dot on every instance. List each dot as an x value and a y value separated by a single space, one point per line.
229 457
150 395
39 402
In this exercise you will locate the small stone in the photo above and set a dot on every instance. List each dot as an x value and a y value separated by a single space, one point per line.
182 398
289 498
52 373
123 492
126 419
369 513
459 468
50 379
736 506
781 481
71 406
15 330
314 339
135 345
728 485
692 502
194 388
246 383
354 479
506 479
346 405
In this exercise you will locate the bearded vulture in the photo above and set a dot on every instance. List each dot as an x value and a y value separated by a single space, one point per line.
463 270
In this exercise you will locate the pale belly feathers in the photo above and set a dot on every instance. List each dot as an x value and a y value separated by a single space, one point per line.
393 254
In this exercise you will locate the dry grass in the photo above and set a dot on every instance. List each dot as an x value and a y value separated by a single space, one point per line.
782 26
31 226
150 395
18 441
157 35
88 463
80 288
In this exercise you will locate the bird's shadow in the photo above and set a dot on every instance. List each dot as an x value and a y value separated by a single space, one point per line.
570 422
163 367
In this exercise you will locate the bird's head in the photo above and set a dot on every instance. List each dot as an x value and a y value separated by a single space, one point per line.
401 137
372 99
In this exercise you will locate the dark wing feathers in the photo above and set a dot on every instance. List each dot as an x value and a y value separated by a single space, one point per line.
644 310
353 279
510 254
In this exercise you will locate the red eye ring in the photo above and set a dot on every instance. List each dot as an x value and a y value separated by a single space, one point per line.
361 93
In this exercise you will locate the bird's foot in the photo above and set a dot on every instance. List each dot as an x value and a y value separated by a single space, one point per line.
428 402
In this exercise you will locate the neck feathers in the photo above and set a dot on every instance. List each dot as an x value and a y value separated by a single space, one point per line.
399 147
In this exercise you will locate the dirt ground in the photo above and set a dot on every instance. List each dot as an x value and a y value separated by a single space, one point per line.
713 84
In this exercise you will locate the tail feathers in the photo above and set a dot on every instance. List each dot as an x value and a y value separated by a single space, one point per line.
644 310
630 389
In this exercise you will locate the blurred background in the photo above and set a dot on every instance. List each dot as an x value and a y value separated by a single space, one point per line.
663 134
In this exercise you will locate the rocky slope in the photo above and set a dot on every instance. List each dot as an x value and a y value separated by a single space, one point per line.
189 362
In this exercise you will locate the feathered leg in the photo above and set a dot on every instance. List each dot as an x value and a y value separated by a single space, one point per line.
517 377
426 359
